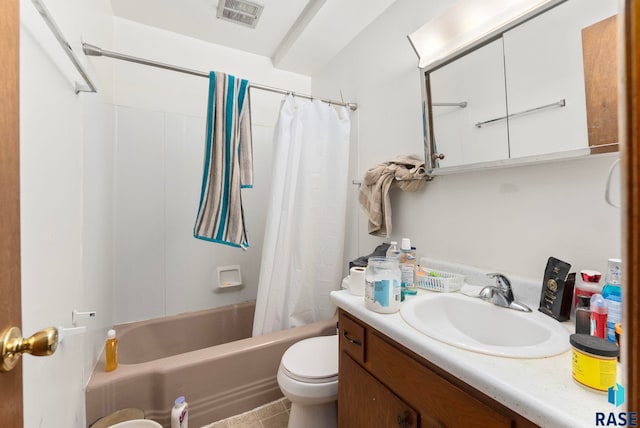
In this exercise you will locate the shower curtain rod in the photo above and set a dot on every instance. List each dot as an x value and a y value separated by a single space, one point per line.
92 50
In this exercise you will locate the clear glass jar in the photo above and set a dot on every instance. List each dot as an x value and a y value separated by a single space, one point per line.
382 285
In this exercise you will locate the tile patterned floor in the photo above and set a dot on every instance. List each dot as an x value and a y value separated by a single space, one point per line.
272 415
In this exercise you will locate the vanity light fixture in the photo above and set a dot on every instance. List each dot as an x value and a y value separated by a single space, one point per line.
468 23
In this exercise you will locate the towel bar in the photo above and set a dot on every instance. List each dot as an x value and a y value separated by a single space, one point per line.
560 103
461 104
427 178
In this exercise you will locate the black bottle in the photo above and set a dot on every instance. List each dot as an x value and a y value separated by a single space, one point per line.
583 315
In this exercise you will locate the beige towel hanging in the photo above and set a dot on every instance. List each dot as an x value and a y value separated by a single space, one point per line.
406 172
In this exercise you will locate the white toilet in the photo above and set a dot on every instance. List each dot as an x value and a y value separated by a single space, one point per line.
138 423
308 377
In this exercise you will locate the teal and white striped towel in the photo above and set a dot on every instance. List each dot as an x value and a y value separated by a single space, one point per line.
228 162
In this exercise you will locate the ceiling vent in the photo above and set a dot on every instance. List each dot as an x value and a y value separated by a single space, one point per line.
240 11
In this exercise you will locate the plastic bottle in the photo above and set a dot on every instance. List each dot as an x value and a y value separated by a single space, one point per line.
598 309
583 315
180 413
111 351
393 251
612 294
588 284
407 264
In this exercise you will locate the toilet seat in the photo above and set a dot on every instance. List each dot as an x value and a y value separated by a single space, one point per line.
313 360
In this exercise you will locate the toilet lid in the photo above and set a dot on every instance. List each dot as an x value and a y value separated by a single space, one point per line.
312 360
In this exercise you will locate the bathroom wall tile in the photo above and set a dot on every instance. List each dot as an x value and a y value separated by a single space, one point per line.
139 215
188 261
158 163
191 264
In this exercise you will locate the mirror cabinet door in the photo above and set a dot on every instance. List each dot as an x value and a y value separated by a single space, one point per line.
544 63
476 81
543 89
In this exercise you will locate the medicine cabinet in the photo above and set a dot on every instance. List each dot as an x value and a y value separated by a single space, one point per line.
540 89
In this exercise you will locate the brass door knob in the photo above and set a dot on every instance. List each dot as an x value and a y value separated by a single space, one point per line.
12 345
437 156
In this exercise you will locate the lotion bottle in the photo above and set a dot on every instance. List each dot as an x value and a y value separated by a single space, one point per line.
180 413
111 351
407 263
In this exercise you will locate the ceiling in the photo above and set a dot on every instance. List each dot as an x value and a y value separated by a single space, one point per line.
298 35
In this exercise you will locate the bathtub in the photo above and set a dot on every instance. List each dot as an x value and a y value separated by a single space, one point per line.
207 356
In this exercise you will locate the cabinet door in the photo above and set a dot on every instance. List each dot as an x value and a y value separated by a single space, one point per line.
600 57
544 65
365 402
477 79
439 402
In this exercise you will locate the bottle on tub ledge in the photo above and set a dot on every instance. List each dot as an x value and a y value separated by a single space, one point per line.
111 351
180 413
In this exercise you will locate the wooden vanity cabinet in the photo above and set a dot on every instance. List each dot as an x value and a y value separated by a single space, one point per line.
383 384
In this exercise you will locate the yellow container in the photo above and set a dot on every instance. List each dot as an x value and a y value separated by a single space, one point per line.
111 351
593 361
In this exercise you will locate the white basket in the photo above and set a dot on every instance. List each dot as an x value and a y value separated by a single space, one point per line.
444 281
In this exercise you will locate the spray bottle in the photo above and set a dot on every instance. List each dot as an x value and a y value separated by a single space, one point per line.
598 309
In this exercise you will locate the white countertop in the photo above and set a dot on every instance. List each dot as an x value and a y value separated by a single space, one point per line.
542 390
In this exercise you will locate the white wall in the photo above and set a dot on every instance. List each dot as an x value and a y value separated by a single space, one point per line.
509 220
160 269
66 177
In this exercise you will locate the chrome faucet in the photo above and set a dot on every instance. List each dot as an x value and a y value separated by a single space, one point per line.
501 294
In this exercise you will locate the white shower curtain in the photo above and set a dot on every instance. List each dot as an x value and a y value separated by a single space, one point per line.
303 243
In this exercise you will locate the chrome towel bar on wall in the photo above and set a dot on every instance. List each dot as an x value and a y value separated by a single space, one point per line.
560 103
461 104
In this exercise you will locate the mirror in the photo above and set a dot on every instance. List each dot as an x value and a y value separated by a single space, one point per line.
540 89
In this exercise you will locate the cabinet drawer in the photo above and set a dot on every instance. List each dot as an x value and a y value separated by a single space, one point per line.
439 402
352 337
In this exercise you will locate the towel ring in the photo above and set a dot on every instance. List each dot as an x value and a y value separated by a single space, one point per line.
607 190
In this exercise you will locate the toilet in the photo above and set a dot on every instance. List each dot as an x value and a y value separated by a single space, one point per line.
138 423
308 377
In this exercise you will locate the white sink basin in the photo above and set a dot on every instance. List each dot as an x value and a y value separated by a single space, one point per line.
473 324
